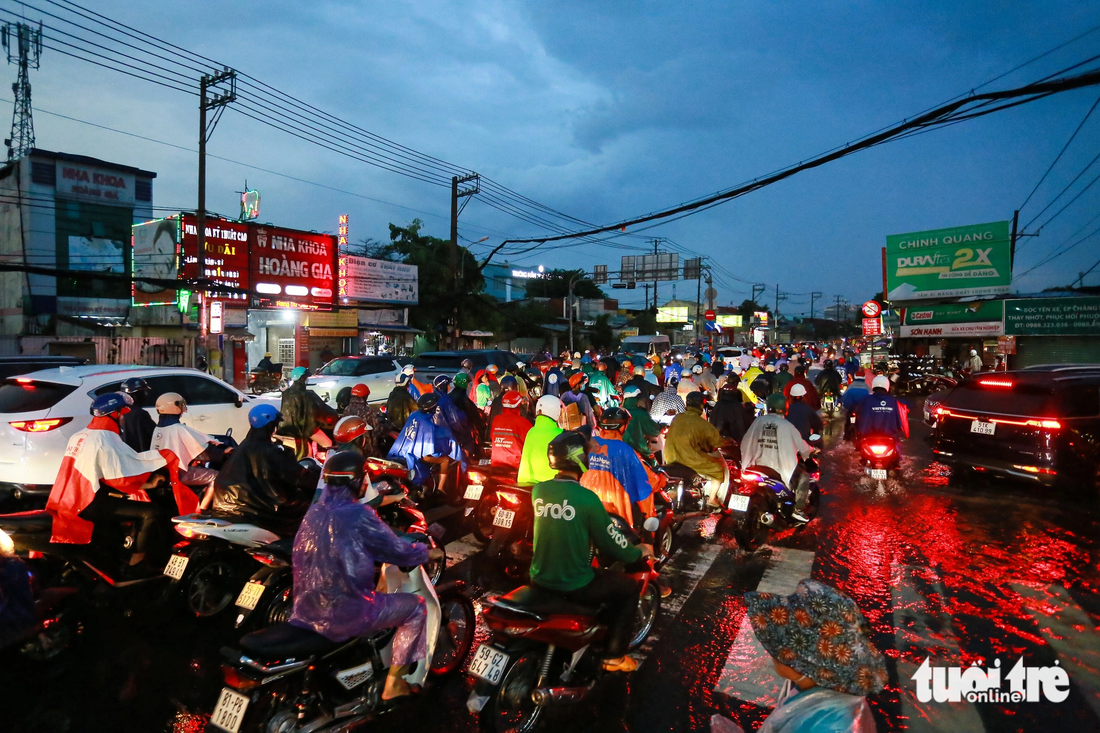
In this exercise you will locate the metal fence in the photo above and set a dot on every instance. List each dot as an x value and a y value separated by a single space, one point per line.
105 349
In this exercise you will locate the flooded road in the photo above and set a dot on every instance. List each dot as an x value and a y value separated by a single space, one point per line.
961 574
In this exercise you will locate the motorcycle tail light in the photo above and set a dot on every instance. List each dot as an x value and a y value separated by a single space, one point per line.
476 478
815 476
40 426
34 555
272 561
509 497
237 680
190 532
750 476
879 449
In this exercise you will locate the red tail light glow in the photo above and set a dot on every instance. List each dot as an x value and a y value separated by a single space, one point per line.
508 497
40 426
879 449
236 680
995 382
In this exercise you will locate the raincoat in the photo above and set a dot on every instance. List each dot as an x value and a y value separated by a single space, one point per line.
773 442
452 417
602 387
812 398
184 441
417 388
640 428
691 440
553 382
508 434
750 374
421 437
665 401
534 465
399 405
617 475
882 414
483 396
820 710
95 457
373 418
335 551
136 427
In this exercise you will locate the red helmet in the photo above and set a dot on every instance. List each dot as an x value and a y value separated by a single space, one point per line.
349 428
360 390
511 399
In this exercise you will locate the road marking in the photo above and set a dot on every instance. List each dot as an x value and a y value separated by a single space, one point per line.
748 674
920 632
1071 633
461 549
691 567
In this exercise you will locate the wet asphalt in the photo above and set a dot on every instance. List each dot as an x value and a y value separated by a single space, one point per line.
960 574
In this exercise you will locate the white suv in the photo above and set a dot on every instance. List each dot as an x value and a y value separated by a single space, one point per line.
333 381
40 411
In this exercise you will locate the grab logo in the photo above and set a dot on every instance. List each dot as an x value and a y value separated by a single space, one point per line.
555 511
617 536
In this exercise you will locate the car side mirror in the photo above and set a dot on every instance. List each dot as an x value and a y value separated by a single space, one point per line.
239 401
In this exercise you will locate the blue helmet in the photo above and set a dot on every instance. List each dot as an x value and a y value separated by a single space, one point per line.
297 373
509 382
111 403
441 381
261 416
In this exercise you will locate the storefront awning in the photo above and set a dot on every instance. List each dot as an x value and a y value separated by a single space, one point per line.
379 328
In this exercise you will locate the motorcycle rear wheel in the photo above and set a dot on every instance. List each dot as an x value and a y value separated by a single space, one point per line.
483 528
750 532
212 588
649 607
510 709
436 568
457 626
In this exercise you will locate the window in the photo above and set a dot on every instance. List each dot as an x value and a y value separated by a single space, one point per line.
160 384
1024 400
286 351
446 361
374 366
340 368
203 391
1081 400
16 397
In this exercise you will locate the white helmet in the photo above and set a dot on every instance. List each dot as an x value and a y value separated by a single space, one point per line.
408 369
880 381
973 352
755 363
171 403
548 405
798 390
697 369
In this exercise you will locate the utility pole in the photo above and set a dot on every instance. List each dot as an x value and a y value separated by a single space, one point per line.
646 286
813 297
456 194
656 242
775 320
758 290
838 309
698 297
1012 243
24 46
217 102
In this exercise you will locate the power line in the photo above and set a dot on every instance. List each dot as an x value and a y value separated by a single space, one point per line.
1061 152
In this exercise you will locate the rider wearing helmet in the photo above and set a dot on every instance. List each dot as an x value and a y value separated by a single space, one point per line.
98 475
335 552
416 387
828 381
728 415
569 520
974 363
616 472
136 427
576 405
881 413
454 417
400 404
601 387
801 415
533 463
667 402
185 442
774 443
812 398
378 424
509 431
262 480
475 419
694 442
423 442
706 380
641 429
554 380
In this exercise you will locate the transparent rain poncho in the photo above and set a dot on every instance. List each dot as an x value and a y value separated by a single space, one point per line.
820 710
335 552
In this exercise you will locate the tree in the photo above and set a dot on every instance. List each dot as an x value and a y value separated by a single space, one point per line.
525 319
555 284
645 322
748 307
601 336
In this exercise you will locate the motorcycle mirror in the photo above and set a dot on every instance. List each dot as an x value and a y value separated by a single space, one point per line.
815 436
651 524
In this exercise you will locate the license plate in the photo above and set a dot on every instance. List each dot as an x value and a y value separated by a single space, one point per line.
739 503
504 518
485 462
250 595
175 567
983 428
488 664
878 474
852 419
229 712
473 492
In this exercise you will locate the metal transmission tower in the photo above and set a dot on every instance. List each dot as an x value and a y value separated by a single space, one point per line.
24 46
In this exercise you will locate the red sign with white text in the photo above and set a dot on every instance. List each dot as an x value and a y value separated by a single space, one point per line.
292 269
226 253
872 326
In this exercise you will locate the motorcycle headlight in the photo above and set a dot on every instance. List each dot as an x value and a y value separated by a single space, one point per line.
7 547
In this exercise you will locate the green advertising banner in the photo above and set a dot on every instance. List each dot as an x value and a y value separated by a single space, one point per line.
949 263
1053 317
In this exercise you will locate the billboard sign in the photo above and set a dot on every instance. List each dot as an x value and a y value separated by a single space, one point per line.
660 266
949 263
98 185
368 280
672 314
1052 317
953 320
292 269
250 205
226 253
729 321
155 252
872 326
96 254
217 324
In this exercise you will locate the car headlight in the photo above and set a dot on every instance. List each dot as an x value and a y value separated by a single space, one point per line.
7 547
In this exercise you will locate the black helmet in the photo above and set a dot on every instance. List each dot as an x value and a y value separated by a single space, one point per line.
828 363
614 418
428 402
344 469
694 399
133 385
568 452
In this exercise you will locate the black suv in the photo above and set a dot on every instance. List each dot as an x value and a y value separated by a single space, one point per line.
1041 423
434 363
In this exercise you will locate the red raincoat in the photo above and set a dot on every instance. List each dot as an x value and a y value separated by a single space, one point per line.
508 433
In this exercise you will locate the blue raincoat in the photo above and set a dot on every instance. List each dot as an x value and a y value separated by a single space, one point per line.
554 382
421 437
820 710
335 552
449 415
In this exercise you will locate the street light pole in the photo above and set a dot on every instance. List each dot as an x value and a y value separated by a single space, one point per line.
569 304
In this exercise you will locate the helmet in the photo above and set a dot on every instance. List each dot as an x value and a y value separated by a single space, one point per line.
428 402
568 451
349 428
627 364
261 416
111 404
755 363
441 381
511 399
297 373
578 380
267 354
880 381
344 469
776 404
639 371
697 369
798 390
770 368
672 381
401 379
171 403
576 354
360 390
133 385
614 418
467 364
973 352
548 405
492 369
784 367
509 383
828 363
462 380
408 370
731 384
694 399
631 390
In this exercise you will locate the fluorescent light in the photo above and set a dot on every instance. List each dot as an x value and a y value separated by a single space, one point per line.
269 288
297 290
323 293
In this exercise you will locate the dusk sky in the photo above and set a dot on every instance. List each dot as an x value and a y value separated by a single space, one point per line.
605 110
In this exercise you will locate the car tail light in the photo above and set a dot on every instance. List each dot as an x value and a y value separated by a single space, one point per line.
995 382
238 681
1037 469
40 426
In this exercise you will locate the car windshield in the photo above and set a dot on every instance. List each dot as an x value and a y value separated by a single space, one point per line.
1024 400
340 368
31 396
447 361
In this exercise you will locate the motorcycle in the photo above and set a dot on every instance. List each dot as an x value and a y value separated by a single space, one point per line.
289 679
879 457
544 651
260 382
56 621
766 501
512 528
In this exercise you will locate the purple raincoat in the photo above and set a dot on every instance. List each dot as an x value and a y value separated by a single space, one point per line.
335 551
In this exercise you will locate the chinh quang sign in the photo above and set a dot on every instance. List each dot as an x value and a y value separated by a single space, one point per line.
1053 317
949 263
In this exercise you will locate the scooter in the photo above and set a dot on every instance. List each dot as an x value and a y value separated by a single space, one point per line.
482 503
289 679
880 458
765 501
545 652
